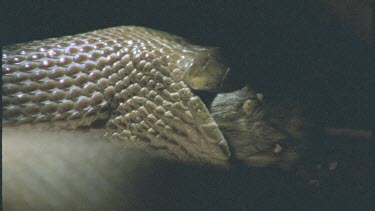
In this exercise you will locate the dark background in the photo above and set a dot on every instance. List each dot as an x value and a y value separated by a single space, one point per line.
282 48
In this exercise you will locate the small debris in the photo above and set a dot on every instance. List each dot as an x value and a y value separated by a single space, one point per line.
318 166
333 165
260 96
314 182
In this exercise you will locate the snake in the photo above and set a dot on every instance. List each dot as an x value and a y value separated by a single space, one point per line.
140 87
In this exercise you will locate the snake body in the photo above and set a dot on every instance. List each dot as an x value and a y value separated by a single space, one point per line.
135 81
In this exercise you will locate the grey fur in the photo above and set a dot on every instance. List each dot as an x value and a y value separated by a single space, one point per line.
253 138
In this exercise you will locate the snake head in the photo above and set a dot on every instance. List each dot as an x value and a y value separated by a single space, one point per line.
206 72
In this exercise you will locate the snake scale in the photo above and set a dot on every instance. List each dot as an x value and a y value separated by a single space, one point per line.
138 86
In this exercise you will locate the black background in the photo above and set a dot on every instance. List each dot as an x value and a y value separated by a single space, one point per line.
282 48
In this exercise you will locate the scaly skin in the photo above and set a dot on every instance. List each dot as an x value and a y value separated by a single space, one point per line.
137 81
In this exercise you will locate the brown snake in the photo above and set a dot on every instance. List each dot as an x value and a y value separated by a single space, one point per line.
135 80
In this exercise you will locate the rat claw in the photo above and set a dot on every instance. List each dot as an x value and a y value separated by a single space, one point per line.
247 107
277 149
